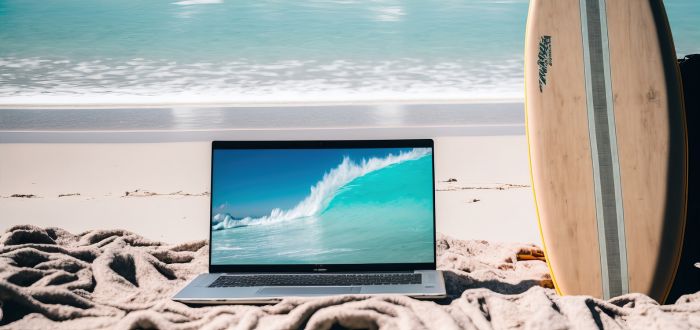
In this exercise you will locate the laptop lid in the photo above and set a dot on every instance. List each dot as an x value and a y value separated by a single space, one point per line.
305 206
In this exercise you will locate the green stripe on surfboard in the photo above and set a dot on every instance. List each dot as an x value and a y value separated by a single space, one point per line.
606 169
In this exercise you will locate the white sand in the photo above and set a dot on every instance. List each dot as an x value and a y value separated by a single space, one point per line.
482 165
103 173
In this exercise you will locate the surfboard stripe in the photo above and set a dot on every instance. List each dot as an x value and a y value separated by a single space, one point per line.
606 169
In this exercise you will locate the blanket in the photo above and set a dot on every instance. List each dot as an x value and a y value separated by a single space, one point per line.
53 279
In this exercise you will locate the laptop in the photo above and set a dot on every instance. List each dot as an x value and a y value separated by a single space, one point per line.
319 218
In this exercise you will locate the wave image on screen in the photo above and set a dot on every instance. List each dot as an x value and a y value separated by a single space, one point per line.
322 206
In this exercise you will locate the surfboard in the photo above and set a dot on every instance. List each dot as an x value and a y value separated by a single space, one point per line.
608 144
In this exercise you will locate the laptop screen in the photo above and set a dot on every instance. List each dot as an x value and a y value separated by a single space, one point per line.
322 206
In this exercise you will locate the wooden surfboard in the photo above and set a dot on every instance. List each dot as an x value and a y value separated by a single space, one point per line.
608 146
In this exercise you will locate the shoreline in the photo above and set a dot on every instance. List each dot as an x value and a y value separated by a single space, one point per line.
169 136
291 103
180 124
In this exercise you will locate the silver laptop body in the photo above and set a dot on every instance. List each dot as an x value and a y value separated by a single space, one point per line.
319 218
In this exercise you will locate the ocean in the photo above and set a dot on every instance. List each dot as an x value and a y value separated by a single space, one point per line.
225 51
374 211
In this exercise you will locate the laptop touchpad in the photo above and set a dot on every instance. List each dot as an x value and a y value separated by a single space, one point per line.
314 290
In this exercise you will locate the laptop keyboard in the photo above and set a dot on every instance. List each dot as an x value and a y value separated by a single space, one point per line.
315 280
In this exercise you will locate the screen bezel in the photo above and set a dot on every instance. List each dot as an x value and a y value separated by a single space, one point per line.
332 144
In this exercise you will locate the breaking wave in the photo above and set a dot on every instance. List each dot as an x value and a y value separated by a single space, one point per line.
323 192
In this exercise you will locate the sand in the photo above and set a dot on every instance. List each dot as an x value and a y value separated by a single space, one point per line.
84 186
96 178
491 198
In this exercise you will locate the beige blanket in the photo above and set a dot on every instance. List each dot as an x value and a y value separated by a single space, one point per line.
52 279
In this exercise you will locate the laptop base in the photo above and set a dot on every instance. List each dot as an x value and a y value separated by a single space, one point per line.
199 292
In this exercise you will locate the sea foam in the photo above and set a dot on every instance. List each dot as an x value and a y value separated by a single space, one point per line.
53 82
323 192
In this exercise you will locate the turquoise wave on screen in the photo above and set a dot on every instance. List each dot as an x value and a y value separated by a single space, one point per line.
383 216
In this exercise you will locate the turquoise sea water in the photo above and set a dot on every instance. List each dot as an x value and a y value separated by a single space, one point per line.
383 216
127 51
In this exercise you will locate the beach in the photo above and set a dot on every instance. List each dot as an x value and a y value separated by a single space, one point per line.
105 121
161 189
108 111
